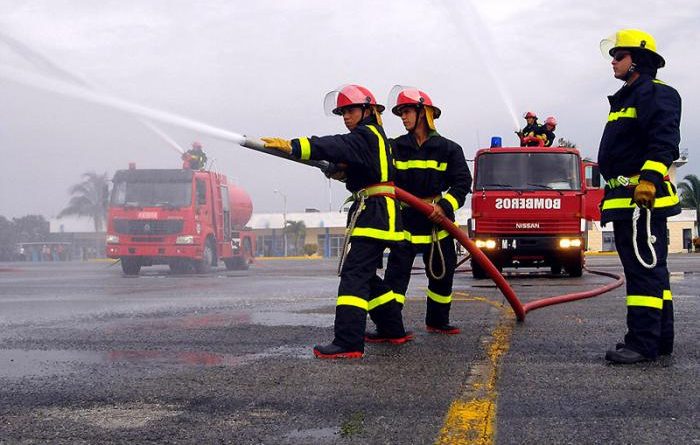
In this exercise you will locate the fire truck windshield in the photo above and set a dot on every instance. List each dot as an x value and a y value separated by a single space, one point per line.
152 194
527 171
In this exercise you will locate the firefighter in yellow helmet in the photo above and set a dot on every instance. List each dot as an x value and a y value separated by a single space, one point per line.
639 144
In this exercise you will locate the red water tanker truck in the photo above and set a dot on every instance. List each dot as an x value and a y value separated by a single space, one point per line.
187 219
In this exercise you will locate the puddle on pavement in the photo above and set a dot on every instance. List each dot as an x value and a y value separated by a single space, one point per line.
19 363
16 363
314 433
292 319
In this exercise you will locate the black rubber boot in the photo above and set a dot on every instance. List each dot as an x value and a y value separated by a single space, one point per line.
334 351
662 351
446 329
378 337
625 356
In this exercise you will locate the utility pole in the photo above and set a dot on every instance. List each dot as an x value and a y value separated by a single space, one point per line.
284 219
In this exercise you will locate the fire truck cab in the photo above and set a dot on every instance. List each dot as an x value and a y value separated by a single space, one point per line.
188 219
530 206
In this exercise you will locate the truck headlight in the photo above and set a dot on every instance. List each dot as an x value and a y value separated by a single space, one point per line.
184 239
566 243
112 239
488 244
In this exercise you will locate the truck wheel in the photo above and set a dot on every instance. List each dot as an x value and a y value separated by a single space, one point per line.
236 263
575 270
204 266
130 266
555 269
477 271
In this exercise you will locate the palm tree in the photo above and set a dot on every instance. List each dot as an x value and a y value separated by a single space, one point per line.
89 198
690 195
297 230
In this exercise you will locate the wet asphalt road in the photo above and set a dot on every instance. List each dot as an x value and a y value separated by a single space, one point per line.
88 355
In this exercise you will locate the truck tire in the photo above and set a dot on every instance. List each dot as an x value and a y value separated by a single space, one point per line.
477 271
205 264
236 263
575 269
130 266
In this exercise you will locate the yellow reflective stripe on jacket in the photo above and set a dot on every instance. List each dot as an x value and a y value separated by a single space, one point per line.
349 300
668 296
655 166
305 147
388 235
405 165
645 301
452 200
627 203
424 239
629 112
380 300
438 298
383 167
400 298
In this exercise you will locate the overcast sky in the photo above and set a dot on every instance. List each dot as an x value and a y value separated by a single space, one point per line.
263 67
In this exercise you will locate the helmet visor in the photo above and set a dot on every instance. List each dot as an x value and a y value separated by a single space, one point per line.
607 45
330 102
410 93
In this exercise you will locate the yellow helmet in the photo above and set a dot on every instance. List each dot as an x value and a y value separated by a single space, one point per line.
631 38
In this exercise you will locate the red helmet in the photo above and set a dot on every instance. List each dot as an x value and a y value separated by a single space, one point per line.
530 114
403 95
348 95
551 120
196 144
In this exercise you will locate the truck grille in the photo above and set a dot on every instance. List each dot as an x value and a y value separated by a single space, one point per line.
509 226
147 226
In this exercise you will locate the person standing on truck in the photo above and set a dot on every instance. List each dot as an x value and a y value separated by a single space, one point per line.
374 219
639 143
434 169
546 131
529 129
194 158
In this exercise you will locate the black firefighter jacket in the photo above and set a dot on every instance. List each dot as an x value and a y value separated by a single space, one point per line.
367 154
641 138
437 169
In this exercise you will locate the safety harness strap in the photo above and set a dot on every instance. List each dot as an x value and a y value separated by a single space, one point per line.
626 181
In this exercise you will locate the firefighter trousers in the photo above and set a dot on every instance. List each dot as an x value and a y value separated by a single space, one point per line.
362 291
649 299
439 292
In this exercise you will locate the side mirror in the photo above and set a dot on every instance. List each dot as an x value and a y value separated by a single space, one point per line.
595 179
592 176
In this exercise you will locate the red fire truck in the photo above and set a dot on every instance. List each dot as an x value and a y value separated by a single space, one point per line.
530 206
188 219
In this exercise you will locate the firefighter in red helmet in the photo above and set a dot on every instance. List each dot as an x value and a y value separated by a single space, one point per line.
530 128
545 132
433 168
194 158
374 220
639 144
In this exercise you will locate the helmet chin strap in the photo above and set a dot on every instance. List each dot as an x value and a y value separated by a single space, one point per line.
415 124
628 74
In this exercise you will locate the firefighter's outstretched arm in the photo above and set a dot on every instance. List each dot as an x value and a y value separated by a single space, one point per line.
280 144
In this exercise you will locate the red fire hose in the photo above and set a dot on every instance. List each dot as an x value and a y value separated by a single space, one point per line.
491 270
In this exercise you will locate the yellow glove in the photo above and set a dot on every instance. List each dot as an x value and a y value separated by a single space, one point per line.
278 144
644 194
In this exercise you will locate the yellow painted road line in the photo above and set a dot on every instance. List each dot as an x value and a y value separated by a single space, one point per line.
471 418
